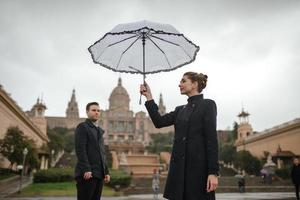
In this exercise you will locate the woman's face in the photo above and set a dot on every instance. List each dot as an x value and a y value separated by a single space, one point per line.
188 87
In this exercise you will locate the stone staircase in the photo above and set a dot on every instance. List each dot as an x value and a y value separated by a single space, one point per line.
143 185
142 165
254 184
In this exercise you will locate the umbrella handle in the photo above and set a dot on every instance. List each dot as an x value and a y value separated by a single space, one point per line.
144 82
140 102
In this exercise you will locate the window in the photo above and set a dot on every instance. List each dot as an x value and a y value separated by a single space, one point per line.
130 127
130 137
120 126
121 137
110 137
110 125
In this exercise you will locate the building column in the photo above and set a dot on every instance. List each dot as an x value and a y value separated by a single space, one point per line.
46 163
42 162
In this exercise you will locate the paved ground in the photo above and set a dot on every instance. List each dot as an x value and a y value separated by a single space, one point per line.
222 196
12 185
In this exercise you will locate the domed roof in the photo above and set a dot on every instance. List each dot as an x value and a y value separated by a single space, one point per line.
119 97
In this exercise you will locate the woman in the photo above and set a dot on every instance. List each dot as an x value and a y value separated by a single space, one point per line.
193 172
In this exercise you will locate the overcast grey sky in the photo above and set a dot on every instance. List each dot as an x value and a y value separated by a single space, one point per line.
249 50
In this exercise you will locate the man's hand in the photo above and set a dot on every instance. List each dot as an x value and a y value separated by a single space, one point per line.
87 175
107 178
212 183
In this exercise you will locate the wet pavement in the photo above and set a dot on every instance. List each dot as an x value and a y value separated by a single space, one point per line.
221 196
11 186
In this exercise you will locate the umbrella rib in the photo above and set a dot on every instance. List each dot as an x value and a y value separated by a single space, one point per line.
173 44
122 40
161 51
164 40
126 51
115 44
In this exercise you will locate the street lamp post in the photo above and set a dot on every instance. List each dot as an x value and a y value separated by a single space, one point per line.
52 158
25 151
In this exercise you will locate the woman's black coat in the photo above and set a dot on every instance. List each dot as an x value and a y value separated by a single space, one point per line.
195 148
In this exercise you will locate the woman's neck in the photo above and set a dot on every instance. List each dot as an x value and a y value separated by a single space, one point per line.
193 93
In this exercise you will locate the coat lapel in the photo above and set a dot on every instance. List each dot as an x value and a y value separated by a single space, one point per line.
95 131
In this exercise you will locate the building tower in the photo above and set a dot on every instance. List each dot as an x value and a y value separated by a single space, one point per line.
245 128
72 109
37 115
161 106
119 98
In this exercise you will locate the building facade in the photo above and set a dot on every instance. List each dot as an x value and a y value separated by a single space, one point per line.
33 127
281 141
125 131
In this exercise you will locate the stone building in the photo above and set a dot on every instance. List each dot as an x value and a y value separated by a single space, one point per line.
125 131
281 141
124 128
33 126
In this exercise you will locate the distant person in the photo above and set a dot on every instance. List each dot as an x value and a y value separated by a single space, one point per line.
91 169
155 183
295 175
193 172
263 175
241 184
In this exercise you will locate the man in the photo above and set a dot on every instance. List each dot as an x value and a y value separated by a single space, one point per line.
295 175
91 169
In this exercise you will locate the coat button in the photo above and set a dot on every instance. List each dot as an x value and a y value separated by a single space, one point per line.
182 157
184 138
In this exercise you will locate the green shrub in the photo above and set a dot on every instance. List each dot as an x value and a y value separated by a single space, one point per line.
5 171
54 175
120 178
242 160
283 173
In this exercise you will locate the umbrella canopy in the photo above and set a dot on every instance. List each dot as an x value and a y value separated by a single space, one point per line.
263 171
143 47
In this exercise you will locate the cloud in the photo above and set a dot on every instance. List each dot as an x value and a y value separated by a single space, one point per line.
249 49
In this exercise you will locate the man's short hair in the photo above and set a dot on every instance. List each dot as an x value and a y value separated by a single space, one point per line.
91 104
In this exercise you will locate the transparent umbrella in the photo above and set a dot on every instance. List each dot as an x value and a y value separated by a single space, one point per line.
143 47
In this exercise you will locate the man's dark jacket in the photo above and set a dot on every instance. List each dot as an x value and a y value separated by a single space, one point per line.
295 174
89 147
195 148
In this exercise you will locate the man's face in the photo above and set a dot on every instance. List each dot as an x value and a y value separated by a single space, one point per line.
93 113
296 161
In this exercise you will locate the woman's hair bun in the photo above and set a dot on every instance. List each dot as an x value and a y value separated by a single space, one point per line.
202 79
